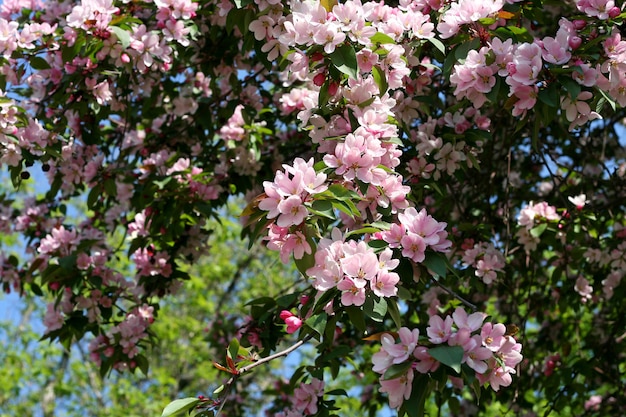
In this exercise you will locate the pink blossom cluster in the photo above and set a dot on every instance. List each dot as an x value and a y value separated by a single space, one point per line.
463 12
90 15
614 260
487 350
128 335
358 157
291 189
151 263
191 175
233 129
310 24
584 289
602 9
522 66
354 269
416 232
529 217
305 399
436 157
485 259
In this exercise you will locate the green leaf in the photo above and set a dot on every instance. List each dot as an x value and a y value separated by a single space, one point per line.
493 94
340 192
375 309
287 300
122 35
93 196
538 230
323 94
608 99
36 289
179 406
307 261
338 391
487 21
397 370
356 317
233 348
550 95
521 33
437 263
317 323
322 208
381 38
448 355
438 44
38 63
380 79
394 312
363 231
142 363
414 406
347 207
571 86
344 59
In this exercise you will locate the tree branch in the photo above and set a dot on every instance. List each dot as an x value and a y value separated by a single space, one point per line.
454 294
229 384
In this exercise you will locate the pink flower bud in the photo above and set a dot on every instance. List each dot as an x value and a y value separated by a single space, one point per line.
285 314
574 42
319 79
332 88
614 12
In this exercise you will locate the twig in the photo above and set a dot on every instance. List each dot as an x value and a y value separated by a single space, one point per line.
455 295
228 385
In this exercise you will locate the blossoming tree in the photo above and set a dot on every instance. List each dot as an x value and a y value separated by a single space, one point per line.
449 176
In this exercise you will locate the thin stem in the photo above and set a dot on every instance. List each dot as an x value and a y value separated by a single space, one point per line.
455 295
229 384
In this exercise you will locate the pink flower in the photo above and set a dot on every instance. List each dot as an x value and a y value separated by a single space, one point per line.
425 363
292 211
382 360
360 265
493 336
262 27
306 396
293 323
579 201
413 247
384 284
593 403
583 288
439 330
500 377
475 355
353 291
401 351
399 389
297 244
596 8
54 319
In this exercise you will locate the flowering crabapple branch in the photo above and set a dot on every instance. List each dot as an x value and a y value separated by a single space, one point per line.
237 373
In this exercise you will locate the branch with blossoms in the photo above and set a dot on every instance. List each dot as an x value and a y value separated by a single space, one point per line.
491 355
407 158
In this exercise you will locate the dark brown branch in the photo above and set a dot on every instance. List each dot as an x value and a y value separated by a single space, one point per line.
229 384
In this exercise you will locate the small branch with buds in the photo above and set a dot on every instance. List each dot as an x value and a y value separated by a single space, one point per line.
235 375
